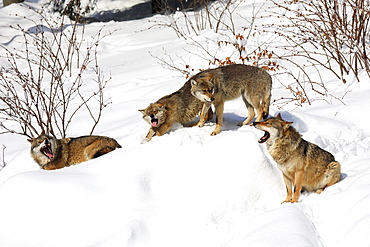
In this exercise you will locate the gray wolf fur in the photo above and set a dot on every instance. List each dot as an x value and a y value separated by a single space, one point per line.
178 107
215 86
303 164
51 153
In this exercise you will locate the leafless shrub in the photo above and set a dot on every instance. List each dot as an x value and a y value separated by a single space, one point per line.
42 86
219 18
304 33
331 34
202 15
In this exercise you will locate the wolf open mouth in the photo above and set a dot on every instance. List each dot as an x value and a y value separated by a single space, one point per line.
264 137
46 150
154 122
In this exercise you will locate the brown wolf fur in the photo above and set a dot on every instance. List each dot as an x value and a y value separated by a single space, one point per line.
178 107
303 164
51 153
215 86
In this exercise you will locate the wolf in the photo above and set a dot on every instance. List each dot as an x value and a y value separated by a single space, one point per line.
304 165
51 153
215 86
178 107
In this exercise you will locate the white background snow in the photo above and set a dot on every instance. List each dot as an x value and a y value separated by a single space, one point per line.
185 188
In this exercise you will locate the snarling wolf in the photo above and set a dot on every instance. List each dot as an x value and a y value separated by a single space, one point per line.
215 86
303 164
51 153
178 107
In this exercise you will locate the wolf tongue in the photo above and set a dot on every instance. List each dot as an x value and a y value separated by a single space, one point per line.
154 122
264 137
47 151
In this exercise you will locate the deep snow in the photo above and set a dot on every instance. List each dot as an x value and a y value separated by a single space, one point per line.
185 188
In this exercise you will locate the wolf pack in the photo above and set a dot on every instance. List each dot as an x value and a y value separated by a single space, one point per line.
303 164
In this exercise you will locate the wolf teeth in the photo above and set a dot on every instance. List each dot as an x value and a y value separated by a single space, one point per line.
154 122
46 150
264 137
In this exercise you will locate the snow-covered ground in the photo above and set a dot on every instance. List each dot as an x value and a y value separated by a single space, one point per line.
185 188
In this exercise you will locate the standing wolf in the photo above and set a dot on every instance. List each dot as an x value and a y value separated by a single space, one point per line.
230 82
303 164
51 153
178 107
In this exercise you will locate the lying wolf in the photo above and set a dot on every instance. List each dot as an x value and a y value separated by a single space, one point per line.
303 164
51 153
215 86
178 107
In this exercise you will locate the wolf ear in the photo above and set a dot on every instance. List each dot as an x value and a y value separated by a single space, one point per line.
279 116
193 82
163 106
142 111
286 124
210 77
30 140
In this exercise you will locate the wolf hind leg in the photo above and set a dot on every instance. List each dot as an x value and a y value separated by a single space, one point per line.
332 175
100 147
250 109
261 107
209 115
265 106
102 151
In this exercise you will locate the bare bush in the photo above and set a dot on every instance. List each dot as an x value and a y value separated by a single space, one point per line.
330 34
219 18
296 50
202 15
42 86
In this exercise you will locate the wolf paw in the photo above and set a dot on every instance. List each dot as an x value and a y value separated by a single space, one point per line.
215 133
199 124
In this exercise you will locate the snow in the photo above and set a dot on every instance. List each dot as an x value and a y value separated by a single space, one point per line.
185 188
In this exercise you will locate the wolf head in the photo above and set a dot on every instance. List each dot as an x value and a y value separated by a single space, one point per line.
273 127
203 88
155 114
43 149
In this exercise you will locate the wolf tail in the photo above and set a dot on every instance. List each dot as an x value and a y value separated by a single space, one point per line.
333 173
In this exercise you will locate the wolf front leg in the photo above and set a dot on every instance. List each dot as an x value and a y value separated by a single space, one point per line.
150 134
163 129
204 115
288 185
55 165
298 181
219 117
